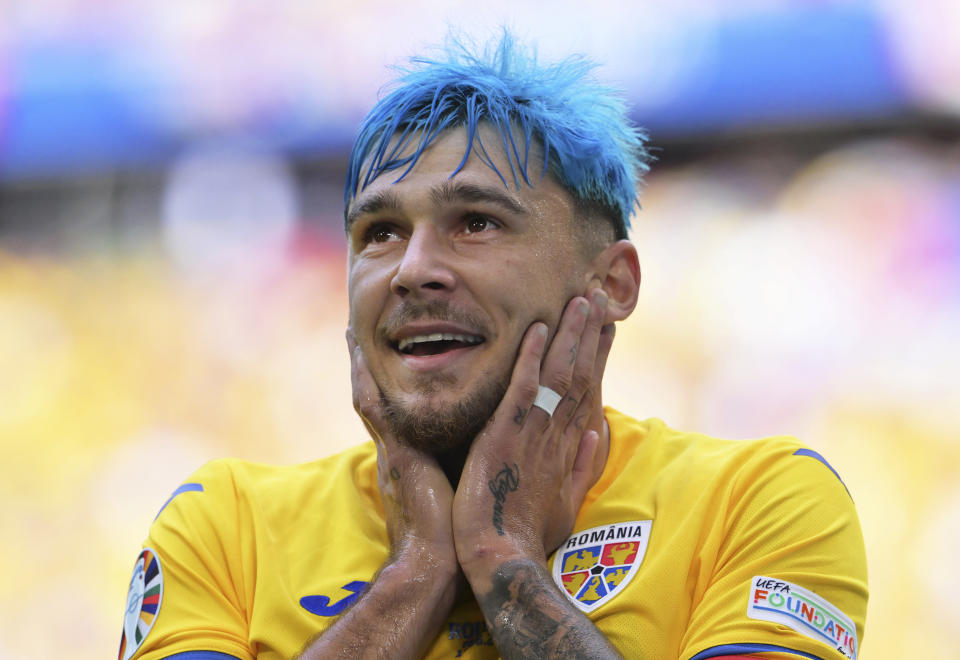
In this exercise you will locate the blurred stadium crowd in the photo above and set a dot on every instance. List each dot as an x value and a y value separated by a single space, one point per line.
803 278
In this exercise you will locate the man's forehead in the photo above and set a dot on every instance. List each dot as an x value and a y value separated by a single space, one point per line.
514 163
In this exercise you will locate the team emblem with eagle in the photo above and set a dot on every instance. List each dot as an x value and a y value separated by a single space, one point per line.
596 564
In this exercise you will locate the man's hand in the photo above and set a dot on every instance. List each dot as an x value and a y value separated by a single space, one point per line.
522 485
400 613
524 481
527 472
416 494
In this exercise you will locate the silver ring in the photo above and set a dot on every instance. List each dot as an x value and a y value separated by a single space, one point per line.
547 400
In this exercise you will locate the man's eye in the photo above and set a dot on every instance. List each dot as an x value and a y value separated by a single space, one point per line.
478 223
380 234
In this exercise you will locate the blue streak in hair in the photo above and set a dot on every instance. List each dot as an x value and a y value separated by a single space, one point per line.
589 145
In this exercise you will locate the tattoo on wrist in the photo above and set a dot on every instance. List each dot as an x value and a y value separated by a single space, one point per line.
505 481
530 618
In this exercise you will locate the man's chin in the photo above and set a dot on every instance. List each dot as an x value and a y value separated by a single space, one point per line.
438 428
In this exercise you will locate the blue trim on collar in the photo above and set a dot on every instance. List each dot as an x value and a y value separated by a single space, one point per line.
185 488
803 451
739 649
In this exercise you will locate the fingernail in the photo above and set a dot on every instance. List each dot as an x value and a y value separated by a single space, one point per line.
583 307
542 330
601 298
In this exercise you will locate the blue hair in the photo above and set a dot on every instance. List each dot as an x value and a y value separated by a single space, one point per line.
589 145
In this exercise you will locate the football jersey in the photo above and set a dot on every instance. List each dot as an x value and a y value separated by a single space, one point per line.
686 547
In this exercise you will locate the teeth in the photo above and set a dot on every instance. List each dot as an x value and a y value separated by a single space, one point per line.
407 342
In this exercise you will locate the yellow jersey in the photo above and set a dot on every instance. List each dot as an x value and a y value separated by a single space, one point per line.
687 547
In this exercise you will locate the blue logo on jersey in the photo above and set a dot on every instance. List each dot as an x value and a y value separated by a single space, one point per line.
321 605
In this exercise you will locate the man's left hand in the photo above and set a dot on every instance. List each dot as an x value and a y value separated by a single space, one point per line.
528 471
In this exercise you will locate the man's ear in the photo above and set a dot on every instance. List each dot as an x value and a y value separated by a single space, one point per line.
616 269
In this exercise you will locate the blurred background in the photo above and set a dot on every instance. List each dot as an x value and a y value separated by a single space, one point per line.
172 263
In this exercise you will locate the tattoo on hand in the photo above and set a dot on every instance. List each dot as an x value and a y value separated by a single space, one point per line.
394 473
518 418
530 618
506 481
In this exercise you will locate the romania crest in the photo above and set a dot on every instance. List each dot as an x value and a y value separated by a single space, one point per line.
143 602
596 564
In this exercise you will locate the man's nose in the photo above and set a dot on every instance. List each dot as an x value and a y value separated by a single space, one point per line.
425 265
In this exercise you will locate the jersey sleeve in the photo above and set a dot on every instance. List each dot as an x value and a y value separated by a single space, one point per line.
193 581
789 576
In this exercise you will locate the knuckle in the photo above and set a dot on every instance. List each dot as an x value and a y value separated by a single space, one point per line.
580 422
581 383
527 391
563 381
567 407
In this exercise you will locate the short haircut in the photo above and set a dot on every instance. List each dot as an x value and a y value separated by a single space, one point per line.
588 143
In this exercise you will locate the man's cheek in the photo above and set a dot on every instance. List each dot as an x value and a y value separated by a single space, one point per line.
523 317
549 310
361 316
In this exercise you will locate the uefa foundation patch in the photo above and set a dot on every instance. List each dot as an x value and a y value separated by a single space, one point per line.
596 564
803 611
143 603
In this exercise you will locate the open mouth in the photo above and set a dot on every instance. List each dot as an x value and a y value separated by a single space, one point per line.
437 343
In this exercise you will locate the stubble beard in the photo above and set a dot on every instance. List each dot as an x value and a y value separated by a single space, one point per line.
440 431
449 429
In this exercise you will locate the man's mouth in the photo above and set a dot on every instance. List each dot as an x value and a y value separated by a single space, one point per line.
436 343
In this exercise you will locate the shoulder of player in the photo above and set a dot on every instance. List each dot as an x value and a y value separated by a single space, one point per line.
689 455
347 464
233 482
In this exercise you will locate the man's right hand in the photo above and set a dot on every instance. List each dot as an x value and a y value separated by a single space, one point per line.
400 613
417 496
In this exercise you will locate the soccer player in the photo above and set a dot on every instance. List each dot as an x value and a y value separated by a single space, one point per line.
501 510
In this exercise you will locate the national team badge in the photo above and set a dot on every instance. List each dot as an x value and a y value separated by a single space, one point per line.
143 603
596 564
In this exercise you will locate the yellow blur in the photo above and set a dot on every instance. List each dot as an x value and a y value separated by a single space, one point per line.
824 303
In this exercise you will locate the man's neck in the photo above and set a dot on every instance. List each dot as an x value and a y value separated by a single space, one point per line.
452 462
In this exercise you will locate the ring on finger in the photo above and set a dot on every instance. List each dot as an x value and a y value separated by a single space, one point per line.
547 399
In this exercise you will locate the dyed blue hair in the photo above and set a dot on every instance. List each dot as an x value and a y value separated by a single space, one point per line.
589 145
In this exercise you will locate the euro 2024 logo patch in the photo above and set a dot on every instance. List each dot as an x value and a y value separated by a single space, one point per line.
596 564
143 602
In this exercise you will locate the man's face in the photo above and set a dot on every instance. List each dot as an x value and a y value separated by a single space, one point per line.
446 275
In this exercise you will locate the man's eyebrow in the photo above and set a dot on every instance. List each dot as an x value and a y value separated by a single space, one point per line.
382 200
451 192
